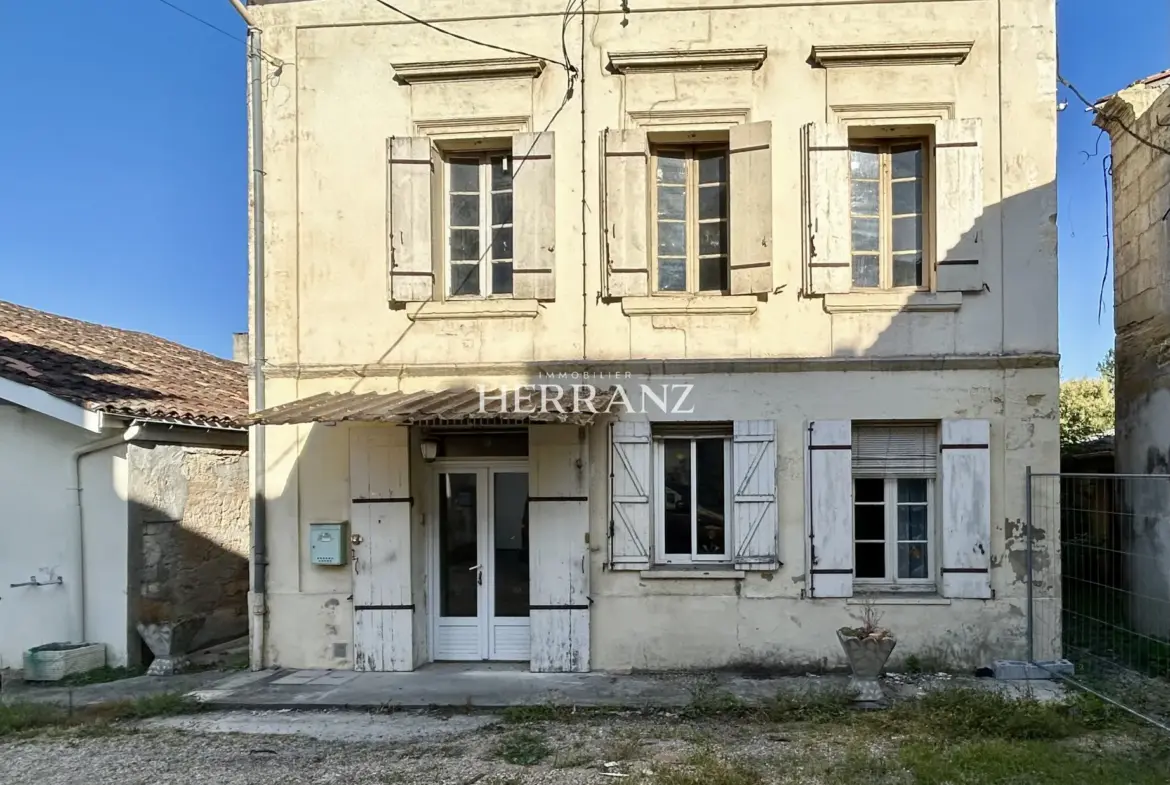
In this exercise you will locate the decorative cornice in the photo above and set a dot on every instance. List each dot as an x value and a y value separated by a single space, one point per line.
852 55
465 70
745 59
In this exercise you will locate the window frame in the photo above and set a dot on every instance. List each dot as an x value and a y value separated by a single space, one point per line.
483 157
658 494
892 583
885 253
691 152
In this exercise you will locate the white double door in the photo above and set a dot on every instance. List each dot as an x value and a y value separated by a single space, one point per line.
480 562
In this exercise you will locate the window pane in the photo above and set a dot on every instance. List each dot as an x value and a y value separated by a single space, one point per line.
502 208
502 174
501 277
865 271
907 161
869 489
912 561
510 508
869 522
865 234
676 495
907 234
458 545
672 239
908 269
464 245
712 202
712 238
713 167
911 522
672 275
864 200
912 489
863 163
502 242
672 202
464 175
869 560
907 197
672 168
464 279
465 210
711 496
713 274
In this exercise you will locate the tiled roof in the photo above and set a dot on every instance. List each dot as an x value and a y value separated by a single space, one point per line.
1152 79
118 371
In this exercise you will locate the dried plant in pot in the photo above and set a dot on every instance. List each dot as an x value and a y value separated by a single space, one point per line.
867 648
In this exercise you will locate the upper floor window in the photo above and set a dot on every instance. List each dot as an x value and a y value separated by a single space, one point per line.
887 218
690 212
479 224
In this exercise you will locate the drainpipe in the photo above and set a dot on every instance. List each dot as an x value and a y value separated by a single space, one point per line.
77 590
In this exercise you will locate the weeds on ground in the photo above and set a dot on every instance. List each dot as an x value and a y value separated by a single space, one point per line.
548 712
706 768
102 675
522 747
26 717
817 706
626 747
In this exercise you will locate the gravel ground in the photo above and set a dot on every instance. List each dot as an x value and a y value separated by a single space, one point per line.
591 751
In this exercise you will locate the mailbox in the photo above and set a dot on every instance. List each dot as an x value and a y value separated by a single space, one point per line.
327 544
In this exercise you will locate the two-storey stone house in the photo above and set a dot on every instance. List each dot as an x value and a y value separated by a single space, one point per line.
823 233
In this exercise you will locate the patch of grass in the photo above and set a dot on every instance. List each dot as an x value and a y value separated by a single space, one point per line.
706 768
518 715
522 747
23 717
816 707
626 747
912 665
860 764
100 675
571 759
971 713
31 717
707 702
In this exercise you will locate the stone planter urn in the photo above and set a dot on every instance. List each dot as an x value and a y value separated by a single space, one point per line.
168 642
867 652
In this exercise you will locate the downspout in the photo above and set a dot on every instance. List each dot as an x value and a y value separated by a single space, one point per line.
584 209
78 586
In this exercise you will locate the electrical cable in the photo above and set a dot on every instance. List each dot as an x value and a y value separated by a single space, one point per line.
272 60
1111 118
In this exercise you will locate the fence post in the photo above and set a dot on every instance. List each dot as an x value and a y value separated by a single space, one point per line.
1031 614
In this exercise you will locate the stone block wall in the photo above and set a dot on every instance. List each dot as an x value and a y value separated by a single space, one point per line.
189 519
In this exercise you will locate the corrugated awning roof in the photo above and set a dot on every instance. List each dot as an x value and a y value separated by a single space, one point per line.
445 406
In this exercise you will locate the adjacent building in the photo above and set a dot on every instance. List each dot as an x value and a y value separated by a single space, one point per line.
124 489
799 260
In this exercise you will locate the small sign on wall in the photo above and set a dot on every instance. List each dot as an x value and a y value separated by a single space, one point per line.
327 544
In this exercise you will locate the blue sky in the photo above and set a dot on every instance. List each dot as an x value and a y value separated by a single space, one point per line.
123 164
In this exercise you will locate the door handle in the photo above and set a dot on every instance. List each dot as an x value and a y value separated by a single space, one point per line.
478 574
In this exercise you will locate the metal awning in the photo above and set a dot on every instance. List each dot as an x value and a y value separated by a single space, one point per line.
458 406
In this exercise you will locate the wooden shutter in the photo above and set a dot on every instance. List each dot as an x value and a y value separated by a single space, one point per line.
829 470
629 524
626 212
829 249
380 523
750 217
958 213
409 173
895 451
754 527
966 508
534 216
558 527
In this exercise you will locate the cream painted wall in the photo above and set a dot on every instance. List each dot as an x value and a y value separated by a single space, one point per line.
38 525
104 494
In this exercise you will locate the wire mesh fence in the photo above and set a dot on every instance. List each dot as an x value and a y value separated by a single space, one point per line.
1113 624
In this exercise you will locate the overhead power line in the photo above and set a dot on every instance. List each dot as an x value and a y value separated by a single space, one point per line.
273 60
1092 107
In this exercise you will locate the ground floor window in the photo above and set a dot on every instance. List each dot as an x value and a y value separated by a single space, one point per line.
693 497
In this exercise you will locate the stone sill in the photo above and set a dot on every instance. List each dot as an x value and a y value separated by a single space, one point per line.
692 574
890 599
476 309
742 305
867 302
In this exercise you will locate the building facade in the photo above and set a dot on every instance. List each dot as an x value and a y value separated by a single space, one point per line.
814 244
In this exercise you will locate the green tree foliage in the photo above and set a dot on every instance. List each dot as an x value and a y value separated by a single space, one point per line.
1086 409
1108 369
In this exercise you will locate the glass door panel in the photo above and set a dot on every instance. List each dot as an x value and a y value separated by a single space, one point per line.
459 570
510 516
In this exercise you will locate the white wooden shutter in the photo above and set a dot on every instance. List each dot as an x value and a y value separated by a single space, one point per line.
895 451
534 216
754 526
966 508
409 173
626 211
958 214
829 471
750 217
629 524
829 251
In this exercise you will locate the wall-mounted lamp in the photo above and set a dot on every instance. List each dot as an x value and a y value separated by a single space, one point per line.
430 449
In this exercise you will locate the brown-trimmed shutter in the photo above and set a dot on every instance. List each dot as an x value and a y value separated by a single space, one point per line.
750 216
410 169
958 213
626 212
829 250
534 216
